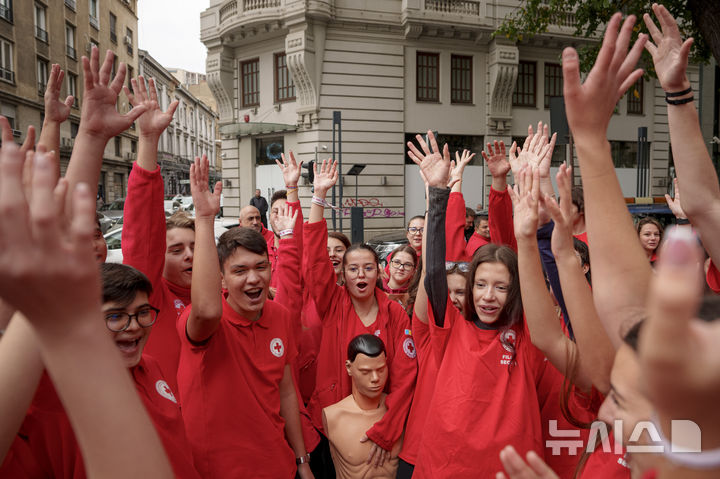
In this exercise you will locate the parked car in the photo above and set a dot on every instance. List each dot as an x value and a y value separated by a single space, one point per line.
105 222
114 241
386 243
113 210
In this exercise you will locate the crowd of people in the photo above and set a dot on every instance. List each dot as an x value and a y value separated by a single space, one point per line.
551 338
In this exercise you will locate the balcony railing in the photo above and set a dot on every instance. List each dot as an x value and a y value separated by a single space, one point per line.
113 37
230 9
6 13
41 88
71 4
94 22
41 34
457 7
71 52
259 4
7 75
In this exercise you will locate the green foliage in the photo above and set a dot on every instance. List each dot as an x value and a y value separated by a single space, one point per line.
534 17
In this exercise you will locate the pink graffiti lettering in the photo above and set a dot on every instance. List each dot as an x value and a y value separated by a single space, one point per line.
364 202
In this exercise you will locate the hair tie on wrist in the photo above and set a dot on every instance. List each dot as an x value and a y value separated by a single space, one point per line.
291 187
679 102
678 93
682 221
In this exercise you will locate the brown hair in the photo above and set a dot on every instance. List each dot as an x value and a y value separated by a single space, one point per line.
340 237
240 237
406 248
649 220
180 219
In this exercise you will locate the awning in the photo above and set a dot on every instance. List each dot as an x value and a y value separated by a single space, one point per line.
255 128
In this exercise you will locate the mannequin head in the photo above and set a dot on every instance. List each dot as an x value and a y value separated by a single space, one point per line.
366 365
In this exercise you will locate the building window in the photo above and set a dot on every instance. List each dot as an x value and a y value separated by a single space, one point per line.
130 73
8 111
70 41
129 41
119 180
74 127
72 88
133 146
42 75
71 4
118 143
267 150
7 72
454 142
461 79
428 77
553 82
113 28
250 74
624 153
6 11
94 14
524 94
40 23
635 98
284 87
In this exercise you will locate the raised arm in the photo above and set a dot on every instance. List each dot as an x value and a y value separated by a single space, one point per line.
499 203
695 170
542 320
56 112
143 235
206 289
99 120
51 276
620 268
596 352
455 217
435 168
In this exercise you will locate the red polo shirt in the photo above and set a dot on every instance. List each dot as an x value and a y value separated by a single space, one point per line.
230 392
47 439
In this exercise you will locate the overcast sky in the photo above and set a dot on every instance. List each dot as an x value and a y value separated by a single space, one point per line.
170 31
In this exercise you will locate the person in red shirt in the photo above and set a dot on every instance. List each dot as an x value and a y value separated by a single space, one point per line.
480 237
357 307
650 233
415 229
403 262
487 364
235 379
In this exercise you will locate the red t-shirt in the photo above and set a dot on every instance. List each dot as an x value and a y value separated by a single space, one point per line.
479 406
340 325
230 393
474 243
143 247
713 277
47 436
424 388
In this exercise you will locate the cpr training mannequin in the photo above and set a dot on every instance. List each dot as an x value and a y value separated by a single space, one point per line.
346 421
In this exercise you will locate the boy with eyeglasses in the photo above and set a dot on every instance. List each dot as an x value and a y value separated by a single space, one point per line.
46 441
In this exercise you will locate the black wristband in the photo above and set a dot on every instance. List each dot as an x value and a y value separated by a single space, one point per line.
682 221
678 93
679 102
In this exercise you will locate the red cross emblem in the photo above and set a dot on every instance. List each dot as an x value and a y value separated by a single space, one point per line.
409 348
277 348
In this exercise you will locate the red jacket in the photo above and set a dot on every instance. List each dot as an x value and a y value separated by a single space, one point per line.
500 219
340 325
455 228
143 247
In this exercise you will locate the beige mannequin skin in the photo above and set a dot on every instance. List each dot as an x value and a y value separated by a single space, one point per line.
346 421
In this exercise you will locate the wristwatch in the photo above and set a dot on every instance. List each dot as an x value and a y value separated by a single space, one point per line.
303 459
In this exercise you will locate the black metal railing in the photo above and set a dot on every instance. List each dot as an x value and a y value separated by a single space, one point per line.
71 52
41 34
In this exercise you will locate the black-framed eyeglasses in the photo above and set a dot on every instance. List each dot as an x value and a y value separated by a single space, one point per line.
397 264
461 266
415 230
120 321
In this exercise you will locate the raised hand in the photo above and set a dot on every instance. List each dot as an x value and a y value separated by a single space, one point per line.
325 177
668 51
679 354
525 196
291 170
100 117
435 166
590 104
674 203
496 159
153 121
458 166
517 468
285 220
536 151
562 235
55 110
207 203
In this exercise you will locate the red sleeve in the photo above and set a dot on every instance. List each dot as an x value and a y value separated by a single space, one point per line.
403 373
455 228
439 336
143 234
289 293
318 268
298 228
500 219
713 277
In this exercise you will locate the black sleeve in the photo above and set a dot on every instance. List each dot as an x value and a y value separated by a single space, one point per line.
435 279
